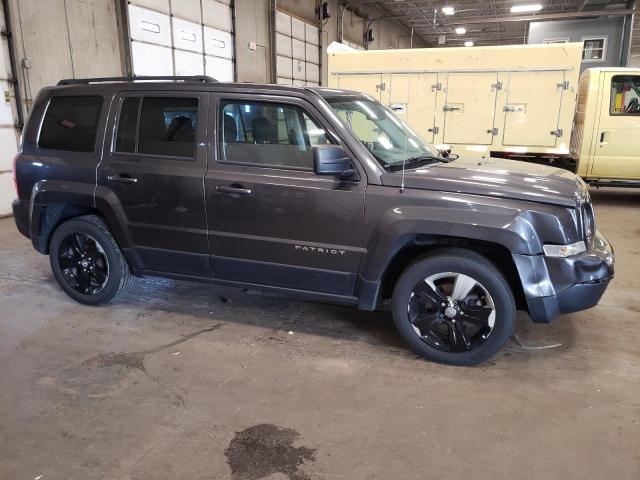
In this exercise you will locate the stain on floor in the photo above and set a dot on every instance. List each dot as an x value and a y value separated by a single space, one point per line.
263 450
135 360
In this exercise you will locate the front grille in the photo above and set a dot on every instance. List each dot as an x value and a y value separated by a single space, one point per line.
588 223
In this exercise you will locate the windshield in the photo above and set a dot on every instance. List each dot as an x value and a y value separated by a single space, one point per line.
390 141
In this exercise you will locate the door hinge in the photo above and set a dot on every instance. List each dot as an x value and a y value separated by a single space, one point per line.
497 86
435 130
557 133
381 86
563 85
493 131
436 86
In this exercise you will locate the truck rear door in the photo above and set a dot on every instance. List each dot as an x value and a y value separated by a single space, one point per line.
371 84
470 106
616 153
413 98
532 109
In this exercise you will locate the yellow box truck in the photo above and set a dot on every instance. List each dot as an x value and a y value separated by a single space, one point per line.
510 101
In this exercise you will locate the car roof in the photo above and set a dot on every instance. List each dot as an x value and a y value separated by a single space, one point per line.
187 84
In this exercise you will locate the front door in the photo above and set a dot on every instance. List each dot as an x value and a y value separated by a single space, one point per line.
617 147
272 220
153 169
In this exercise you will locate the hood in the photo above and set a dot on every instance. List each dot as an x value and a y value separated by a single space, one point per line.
496 177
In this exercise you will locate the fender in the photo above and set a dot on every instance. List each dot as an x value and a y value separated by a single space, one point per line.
422 217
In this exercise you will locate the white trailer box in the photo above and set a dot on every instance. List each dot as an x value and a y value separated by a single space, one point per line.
510 100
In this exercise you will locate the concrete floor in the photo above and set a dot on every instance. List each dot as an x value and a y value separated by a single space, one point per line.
182 380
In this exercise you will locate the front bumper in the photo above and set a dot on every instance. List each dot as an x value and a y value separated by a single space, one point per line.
554 286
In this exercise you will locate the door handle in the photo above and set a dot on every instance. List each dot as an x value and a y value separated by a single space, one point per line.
122 178
602 136
233 190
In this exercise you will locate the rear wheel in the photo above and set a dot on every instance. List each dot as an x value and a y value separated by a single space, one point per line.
87 262
454 307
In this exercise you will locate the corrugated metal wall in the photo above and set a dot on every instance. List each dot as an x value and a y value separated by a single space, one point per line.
57 39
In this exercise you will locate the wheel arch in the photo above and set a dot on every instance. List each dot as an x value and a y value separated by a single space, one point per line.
50 207
421 245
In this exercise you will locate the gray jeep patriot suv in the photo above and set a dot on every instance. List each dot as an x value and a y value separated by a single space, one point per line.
319 193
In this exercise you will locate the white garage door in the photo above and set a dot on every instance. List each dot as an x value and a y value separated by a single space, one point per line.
8 140
188 37
298 53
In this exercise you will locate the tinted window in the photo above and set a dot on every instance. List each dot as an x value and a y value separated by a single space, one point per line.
71 123
127 125
164 126
269 134
625 95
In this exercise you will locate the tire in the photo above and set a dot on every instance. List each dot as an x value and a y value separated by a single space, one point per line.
79 250
440 328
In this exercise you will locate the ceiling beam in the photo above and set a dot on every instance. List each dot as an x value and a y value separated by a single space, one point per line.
545 16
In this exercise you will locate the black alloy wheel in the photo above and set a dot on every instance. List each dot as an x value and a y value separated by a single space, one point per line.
452 312
454 306
83 263
87 262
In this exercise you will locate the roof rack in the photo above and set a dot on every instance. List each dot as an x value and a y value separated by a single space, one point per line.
83 81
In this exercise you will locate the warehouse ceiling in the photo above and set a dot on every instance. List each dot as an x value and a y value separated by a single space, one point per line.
488 22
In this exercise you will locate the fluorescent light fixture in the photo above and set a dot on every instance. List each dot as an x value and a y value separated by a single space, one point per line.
533 7
461 30
448 10
468 43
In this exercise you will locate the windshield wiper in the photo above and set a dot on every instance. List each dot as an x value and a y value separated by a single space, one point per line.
422 158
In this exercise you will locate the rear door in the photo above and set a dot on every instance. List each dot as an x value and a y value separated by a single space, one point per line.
272 220
152 172
469 109
532 108
617 148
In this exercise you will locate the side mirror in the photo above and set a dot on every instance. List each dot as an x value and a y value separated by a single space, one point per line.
331 160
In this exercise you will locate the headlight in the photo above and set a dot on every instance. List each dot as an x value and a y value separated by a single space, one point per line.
564 250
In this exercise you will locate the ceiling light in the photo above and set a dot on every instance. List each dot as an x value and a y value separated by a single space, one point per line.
461 30
534 7
448 10
468 43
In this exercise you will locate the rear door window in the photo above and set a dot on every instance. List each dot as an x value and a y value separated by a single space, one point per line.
160 126
71 123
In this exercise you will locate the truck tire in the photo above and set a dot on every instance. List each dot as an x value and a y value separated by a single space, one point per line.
87 262
453 306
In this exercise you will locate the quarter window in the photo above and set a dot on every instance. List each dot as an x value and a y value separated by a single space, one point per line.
159 126
625 95
268 134
71 123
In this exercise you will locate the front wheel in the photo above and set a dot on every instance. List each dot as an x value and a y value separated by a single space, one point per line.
454 307
87 262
